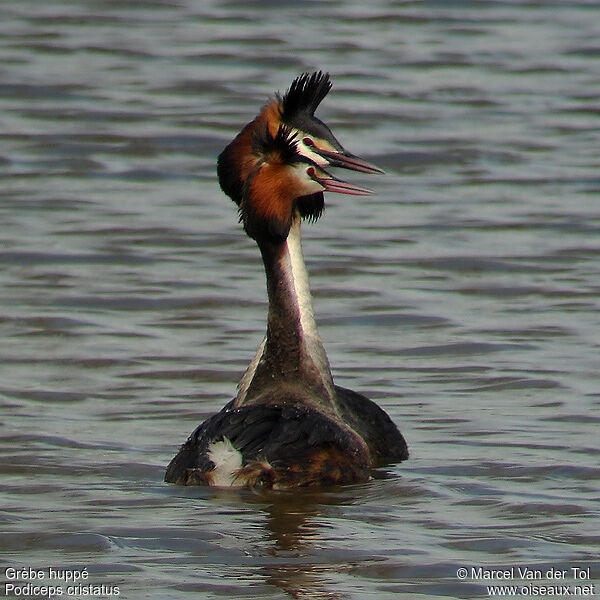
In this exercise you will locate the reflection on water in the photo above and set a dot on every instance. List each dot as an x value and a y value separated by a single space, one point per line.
463 297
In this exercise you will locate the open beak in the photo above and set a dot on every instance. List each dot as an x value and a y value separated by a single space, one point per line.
346 160
333 184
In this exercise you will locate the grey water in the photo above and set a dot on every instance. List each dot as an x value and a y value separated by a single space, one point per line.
464 297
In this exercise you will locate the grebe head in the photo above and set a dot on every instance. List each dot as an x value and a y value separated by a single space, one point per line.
315 140
282 183
295 109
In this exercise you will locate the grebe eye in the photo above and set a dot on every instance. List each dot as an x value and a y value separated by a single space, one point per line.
310 172
308 142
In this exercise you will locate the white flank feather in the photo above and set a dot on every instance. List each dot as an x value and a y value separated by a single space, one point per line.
227 461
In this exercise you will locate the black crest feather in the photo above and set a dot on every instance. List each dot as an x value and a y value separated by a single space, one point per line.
304 95
279 148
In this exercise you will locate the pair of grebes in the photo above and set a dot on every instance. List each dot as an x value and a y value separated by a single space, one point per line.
289 425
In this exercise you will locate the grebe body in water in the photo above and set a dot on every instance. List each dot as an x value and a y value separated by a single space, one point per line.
289 425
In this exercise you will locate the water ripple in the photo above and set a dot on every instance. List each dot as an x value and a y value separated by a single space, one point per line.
463 296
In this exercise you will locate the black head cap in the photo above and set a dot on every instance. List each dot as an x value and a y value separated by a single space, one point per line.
304 95
299 103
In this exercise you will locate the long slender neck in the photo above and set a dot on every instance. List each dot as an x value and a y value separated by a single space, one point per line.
291 365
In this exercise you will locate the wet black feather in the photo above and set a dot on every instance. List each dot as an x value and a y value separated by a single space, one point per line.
277 433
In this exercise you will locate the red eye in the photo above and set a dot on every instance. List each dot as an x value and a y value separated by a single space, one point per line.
308 142
310 172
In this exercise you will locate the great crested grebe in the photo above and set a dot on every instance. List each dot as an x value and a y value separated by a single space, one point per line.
295 109
289 425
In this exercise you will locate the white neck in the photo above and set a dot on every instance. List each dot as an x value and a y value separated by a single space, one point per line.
291 321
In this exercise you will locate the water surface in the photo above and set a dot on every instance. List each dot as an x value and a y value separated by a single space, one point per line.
464 297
